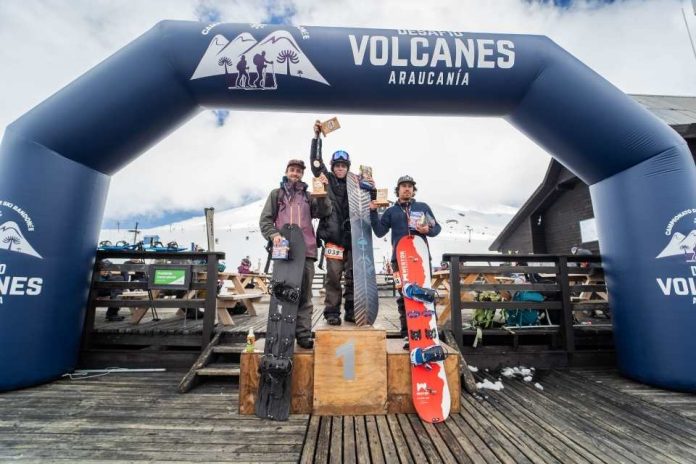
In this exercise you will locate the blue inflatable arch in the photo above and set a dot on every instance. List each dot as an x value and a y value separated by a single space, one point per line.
56 162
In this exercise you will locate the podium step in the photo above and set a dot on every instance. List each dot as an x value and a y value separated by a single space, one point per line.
213 361
219 369
229 348
346 390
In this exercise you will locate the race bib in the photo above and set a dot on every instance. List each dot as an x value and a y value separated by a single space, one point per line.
397 280
333 251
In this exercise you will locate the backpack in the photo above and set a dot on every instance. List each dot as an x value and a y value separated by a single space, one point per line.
524 317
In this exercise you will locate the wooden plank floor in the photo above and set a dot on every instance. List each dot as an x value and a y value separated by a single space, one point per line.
586 416
138 418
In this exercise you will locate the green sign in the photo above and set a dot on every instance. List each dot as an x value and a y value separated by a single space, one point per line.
170 277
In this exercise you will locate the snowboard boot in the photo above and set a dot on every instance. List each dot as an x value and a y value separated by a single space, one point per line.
333 319
349 318
306 342
113 316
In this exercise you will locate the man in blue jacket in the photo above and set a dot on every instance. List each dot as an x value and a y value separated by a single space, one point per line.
404 218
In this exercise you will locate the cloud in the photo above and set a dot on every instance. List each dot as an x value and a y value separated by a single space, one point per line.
483 164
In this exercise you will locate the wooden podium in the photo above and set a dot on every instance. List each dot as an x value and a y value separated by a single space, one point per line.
351 371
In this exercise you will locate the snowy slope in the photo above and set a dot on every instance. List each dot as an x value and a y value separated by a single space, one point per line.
237 233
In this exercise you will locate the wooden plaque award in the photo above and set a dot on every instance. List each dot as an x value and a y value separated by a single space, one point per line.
318 189
382 197
330 126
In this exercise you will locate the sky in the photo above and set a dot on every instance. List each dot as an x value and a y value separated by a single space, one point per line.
225 159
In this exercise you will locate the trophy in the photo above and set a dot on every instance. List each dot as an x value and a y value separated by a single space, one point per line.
381 196
318 189
330 126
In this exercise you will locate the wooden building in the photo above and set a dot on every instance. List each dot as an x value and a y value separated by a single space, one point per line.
559 213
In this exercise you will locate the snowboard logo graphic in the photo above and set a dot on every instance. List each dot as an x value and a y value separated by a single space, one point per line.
421 387
248 64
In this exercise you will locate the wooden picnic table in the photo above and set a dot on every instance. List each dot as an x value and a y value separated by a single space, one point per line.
257 279
596 278
139 312
227 299
440 281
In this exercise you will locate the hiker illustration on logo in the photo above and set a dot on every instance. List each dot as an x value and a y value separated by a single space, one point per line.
234 58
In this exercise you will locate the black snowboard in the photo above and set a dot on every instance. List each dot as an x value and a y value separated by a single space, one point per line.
273 399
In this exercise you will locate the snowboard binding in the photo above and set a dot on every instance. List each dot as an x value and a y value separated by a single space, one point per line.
285 292
275 367
418 293
424 356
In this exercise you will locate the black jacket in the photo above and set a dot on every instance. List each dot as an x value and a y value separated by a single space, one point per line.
336 227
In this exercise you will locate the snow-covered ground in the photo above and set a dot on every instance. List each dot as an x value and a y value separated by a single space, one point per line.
237 233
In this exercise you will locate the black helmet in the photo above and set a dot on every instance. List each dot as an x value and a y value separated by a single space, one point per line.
340 156
405 179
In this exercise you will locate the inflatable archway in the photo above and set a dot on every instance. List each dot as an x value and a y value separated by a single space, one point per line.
56 162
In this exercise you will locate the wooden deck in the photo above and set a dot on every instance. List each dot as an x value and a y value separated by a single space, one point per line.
590 416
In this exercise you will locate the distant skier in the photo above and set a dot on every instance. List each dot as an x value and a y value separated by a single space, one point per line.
405 217
334 234
245 266
260 62
291 204
242 73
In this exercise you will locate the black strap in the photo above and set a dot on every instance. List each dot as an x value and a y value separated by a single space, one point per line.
321 258
269 249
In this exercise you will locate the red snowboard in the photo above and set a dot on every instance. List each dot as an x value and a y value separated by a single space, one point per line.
429 387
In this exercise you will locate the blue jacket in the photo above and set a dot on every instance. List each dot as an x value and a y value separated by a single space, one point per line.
395 219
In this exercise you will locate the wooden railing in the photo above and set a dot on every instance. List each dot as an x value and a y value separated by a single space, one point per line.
202 263
566 281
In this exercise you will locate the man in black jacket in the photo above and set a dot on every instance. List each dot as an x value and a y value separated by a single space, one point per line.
333 232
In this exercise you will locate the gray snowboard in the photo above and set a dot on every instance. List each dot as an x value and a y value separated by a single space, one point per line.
275 368
364 279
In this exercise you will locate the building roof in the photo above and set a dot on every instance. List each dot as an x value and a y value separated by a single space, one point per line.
678 112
